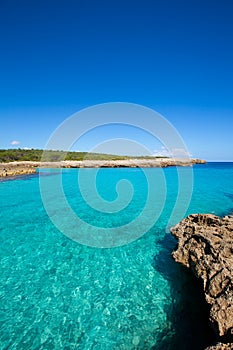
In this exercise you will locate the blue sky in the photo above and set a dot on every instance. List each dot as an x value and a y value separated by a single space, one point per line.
174 56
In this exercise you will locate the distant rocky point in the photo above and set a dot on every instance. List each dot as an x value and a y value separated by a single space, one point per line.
29 167
205 245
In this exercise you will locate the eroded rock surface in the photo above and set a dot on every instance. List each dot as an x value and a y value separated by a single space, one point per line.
205 245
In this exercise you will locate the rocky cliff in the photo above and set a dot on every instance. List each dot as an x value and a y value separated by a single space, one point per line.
205 245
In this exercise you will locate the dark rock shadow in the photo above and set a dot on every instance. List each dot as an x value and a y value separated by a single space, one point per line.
188 313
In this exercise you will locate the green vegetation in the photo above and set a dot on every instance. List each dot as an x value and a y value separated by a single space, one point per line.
11 155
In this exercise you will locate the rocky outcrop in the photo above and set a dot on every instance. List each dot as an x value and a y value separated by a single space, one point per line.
28 167
221 346
16 168
205 245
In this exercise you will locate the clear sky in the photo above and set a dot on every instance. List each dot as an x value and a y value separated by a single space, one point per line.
59 56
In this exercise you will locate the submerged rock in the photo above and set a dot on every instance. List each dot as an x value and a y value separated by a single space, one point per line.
205 245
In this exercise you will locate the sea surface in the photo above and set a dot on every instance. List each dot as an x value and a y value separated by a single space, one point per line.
56 293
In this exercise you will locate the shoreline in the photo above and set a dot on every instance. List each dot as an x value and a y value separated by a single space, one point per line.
205 247
30 167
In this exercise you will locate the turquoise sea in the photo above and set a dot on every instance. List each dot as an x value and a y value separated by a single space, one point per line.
58 294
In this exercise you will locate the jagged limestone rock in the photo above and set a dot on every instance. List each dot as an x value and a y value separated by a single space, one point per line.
205 245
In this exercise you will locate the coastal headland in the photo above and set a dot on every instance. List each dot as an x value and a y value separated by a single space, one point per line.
205 246
30 167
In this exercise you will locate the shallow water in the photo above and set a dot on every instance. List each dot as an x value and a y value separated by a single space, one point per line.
58 294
